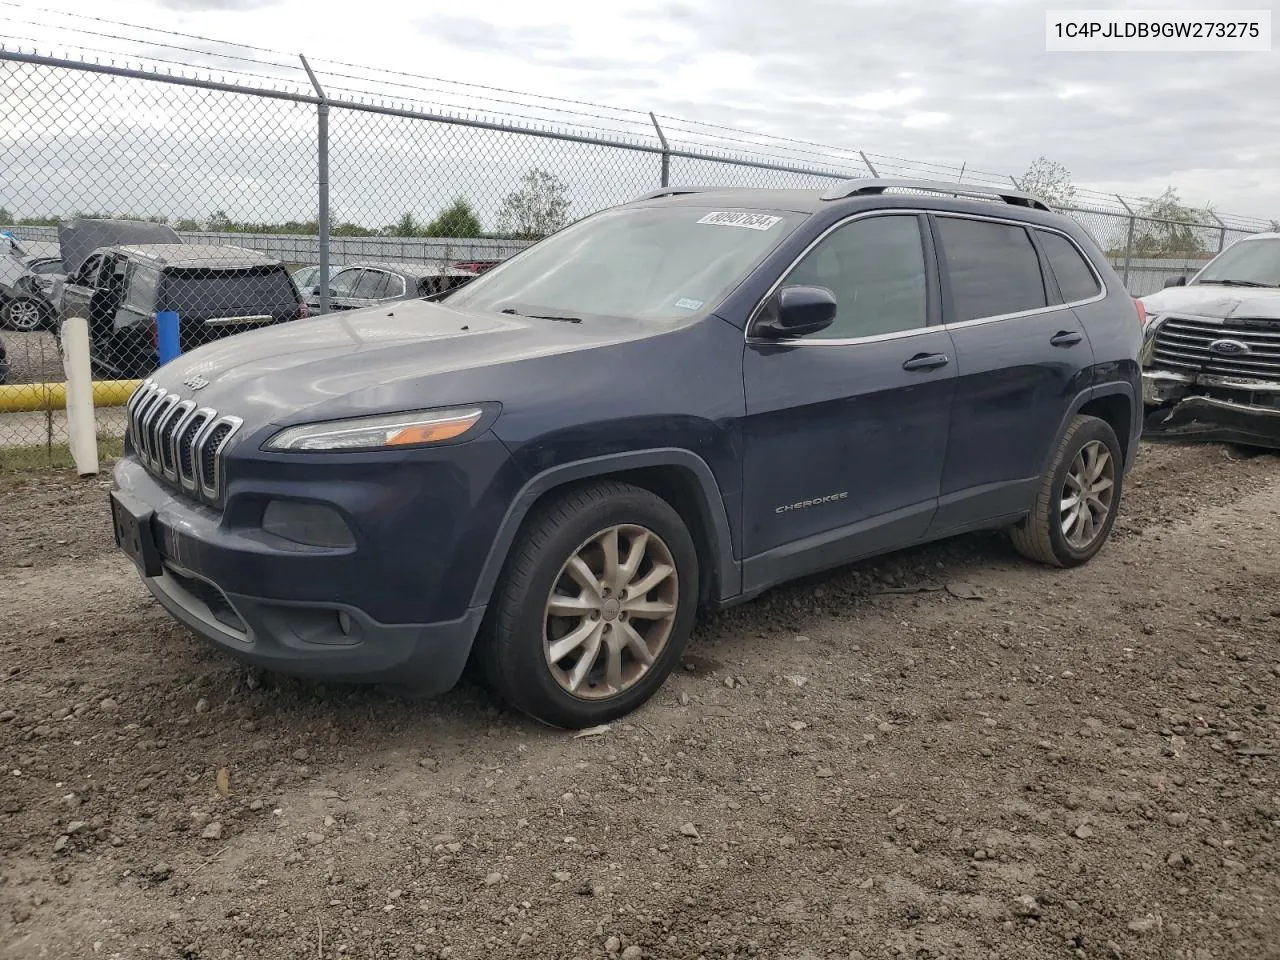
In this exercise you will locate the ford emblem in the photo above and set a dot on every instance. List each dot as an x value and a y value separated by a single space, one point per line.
1230 348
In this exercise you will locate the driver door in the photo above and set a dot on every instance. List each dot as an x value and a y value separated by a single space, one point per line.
846 429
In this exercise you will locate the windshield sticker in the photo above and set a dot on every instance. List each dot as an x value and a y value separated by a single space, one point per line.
686 303
752 221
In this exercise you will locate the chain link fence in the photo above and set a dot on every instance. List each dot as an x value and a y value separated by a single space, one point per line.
134 193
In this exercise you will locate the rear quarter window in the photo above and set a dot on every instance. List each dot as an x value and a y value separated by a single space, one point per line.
1075 277
212 292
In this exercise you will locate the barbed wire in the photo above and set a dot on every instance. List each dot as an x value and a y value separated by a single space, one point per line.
626 125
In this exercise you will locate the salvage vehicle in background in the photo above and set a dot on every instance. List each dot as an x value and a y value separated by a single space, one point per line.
371 284
26 286
1211 351
668 406
215 290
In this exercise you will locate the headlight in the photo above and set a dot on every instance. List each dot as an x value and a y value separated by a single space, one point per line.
381 432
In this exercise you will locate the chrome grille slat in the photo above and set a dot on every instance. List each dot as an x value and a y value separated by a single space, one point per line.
1183 342
178 441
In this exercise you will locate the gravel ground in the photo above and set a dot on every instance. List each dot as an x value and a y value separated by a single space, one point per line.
33 357
946 753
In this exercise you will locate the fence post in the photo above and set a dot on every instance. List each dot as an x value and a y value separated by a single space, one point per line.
1222 230
322 158
868 163
666 152
1128 243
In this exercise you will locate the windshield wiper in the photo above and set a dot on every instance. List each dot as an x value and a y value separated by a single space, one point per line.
541 316
1238 283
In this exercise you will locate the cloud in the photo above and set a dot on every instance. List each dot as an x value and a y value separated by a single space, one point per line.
202 6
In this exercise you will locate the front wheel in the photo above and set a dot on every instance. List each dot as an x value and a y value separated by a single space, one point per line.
23 314
593 608
1078 497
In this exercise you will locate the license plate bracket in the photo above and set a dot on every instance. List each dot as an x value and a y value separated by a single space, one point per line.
134 534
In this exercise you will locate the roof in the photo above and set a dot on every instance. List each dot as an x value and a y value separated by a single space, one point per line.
193 255
415 270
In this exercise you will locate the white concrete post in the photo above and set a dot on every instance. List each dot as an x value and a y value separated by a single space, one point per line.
81 426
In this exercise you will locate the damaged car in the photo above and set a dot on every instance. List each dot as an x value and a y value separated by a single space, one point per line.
26 287
1211 350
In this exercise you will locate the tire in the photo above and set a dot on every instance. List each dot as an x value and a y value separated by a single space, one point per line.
23 314
515 647
1042 535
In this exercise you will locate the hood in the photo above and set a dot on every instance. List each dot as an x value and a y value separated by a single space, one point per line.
397 357
79 238
1212 300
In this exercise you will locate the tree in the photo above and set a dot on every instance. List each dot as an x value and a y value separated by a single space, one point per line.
1166 227
539 207
406 226
5 216
456 220
1048 180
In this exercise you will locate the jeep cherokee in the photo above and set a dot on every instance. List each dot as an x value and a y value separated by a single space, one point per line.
668 406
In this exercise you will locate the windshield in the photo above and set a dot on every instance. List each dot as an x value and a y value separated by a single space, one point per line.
660 263
1250 262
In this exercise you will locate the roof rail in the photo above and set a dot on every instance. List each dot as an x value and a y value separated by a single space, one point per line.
671 192
876 185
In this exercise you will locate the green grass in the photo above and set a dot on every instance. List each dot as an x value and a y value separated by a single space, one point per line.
19 462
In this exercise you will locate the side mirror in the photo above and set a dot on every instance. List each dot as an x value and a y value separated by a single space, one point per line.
1176 282
795 312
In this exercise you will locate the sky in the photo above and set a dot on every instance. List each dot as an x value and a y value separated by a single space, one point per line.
954 82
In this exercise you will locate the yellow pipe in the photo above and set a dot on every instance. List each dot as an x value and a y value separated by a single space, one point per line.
27 397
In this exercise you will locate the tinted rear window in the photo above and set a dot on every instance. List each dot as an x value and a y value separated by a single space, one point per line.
993 268
230 292
1075 278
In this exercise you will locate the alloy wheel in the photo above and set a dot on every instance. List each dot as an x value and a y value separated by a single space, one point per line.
1087 494
23 315
611 612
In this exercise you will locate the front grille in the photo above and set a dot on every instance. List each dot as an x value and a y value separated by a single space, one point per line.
1183 344
178 441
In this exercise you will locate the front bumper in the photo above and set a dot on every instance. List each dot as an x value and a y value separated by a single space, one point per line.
325 639
1188 407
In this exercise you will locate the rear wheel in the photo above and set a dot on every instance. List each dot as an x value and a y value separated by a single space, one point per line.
595 603
1078 497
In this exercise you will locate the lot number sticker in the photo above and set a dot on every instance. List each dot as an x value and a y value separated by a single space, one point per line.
752 221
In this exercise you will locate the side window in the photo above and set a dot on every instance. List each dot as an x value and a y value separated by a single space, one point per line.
344 283
395 286
1075 278
371 285
993 268
875 267
141 296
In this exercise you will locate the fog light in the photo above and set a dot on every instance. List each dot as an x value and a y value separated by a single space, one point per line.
312 524
344 622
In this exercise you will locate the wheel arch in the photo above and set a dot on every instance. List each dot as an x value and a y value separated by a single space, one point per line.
1115 403
680 477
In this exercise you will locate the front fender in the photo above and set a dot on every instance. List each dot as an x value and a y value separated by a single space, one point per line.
728 572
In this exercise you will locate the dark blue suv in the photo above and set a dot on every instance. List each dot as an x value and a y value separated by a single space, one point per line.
671 405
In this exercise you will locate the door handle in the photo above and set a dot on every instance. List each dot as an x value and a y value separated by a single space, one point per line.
1066 338
927 361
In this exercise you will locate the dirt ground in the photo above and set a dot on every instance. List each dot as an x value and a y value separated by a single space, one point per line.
945 753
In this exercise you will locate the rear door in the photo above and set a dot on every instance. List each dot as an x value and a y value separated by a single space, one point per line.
846 429
1022 357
